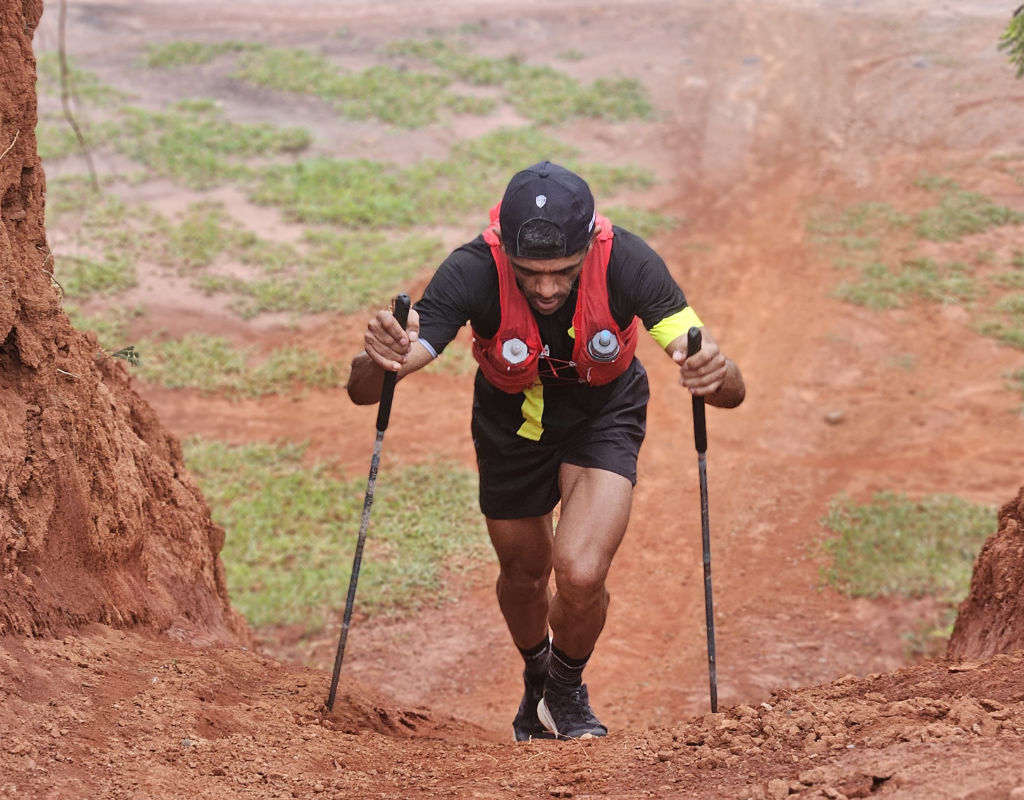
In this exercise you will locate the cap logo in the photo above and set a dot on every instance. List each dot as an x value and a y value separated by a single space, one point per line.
542 200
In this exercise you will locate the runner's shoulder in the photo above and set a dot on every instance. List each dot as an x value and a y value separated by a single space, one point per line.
628 249
472 258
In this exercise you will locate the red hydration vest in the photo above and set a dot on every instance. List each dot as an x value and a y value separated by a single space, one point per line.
592 316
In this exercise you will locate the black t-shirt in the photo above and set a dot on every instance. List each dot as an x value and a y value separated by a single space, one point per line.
465 288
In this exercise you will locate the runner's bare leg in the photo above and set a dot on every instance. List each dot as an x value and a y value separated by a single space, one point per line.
594 514
595 511
524 548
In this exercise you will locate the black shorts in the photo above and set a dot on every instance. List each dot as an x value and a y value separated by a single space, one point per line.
519 477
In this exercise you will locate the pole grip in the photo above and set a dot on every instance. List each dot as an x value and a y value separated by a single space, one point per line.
387 393
700 431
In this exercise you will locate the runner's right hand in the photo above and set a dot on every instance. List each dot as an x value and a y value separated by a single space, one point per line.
386 343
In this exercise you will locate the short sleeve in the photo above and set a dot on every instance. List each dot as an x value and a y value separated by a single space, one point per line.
464 288
640 285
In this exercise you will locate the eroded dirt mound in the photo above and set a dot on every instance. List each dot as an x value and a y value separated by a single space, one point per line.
133 714
991 619
98 519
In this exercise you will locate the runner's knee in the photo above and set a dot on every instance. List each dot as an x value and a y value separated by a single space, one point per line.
523 581
581 582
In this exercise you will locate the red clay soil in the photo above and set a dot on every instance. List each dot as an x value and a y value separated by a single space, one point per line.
991 618
100 520
125 673
124 714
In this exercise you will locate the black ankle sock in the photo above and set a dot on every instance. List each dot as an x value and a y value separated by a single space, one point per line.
536 660
564 672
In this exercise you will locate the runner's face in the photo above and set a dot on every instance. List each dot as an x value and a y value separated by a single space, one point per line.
546 282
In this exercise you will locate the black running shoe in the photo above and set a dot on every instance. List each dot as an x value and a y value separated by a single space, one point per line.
568 714
526 726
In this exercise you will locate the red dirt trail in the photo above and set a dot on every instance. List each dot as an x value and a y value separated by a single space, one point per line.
124 671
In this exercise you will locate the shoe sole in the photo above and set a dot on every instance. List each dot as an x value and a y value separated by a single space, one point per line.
546 736
548 722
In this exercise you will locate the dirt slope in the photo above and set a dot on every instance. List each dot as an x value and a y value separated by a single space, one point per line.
778 104
113 714
990 617
99 520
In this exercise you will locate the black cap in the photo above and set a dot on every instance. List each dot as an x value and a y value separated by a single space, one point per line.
552 193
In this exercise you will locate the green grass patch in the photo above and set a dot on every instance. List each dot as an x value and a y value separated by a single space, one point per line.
187 53
1012 278
110 326
290 531
540 93
870 219
859 243
358 192
880 286
399 97
931 182
912 548
212 364
194 143
547 96
895 546
961 213
340 272
73 194
363 193
289 70
1005 320
191 141
879 242
83 85
110 238
56 140
326 271
456 61
203 233
81 277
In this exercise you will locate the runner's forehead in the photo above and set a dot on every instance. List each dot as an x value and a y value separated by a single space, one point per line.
547 265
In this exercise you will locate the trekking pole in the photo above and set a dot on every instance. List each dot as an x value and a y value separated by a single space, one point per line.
383 415
700 440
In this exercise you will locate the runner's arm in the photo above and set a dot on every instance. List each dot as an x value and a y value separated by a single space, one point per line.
650 292
388 348
437 315
708 373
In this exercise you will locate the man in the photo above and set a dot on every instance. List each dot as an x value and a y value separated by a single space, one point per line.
553 292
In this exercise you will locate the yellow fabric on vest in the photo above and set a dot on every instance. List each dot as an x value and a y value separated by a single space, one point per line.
533 412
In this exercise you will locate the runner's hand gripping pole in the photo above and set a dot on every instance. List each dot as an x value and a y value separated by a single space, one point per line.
700 440
383 416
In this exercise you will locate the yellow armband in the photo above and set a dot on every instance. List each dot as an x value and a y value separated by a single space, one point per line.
679 324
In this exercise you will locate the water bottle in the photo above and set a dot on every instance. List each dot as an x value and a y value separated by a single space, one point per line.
603 346
515 351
